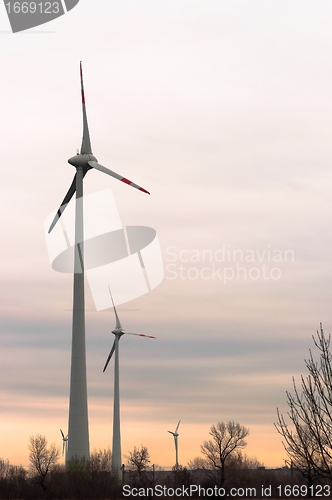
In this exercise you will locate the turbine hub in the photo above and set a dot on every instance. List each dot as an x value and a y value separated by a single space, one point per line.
118 331
81 160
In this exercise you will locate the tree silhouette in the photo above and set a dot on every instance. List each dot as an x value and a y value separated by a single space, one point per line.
42 460
227 438
308 438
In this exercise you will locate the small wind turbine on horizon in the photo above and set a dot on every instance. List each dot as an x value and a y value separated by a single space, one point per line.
64 444
78 427
175 435
116 446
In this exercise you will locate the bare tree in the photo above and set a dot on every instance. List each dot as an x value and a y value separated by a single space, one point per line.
180 476
197 463
102 484
4 468
101 460
78 475
236 460
227 438
308 438
12 480
43 459
138 460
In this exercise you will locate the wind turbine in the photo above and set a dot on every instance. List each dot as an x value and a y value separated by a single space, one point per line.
116 446
64 444
175 435
78 428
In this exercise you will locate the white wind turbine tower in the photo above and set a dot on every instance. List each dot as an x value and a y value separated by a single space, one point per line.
175 435
78 429
116 446
64 444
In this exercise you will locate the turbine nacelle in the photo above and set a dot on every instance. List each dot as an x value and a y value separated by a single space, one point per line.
118 331
81 161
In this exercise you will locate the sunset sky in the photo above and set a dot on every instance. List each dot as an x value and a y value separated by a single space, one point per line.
222 109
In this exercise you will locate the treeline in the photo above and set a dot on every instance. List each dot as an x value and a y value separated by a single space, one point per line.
222 470
79 481
93 481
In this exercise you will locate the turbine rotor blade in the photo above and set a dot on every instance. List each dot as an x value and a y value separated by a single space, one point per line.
139 334
63 436
117 321
86 144
66 200
177 426
109 356
99 167
70 193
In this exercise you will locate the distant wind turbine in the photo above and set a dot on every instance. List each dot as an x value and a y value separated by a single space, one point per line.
64 444
175 435
78 427
118 332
